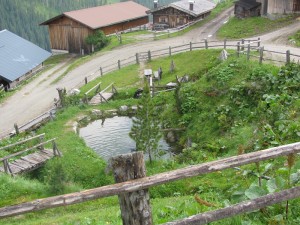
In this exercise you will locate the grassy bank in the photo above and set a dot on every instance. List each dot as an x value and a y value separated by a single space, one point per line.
227 108
241 28
295 39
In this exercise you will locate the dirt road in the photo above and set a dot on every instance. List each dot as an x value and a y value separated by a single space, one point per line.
37 96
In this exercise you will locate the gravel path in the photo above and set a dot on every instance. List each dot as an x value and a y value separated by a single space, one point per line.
36 97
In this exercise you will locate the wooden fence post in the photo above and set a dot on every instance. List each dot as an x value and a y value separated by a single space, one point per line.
135 206
261 55
101 72
206 43
238 49
85 80
170 51
41 140
61 95
149 55
248 52
288 56
137 58
243 45
225 43
191 46
16 128
119 64
258 43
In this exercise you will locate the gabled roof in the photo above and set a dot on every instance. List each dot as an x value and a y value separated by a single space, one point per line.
102 16
18 56
200 7
248 4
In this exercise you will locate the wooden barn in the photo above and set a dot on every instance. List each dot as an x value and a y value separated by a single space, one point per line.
247 8
279 6
180 13
69 30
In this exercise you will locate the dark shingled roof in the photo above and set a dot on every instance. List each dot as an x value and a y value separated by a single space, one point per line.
102 16
18 56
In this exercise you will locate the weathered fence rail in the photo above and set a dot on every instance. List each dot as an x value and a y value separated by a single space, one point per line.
166 177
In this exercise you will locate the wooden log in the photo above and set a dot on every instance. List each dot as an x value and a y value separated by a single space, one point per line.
135 206
147 182
22 142
243 207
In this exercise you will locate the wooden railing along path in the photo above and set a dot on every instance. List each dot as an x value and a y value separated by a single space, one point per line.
29 159
104 95
132 190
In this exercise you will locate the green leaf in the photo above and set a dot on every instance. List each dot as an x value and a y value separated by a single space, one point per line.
271 185
254 192
295 177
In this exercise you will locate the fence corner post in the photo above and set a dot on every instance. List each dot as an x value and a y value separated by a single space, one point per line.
135 206
16 128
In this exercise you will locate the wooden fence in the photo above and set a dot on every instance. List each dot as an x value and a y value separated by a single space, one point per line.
251 48
140 184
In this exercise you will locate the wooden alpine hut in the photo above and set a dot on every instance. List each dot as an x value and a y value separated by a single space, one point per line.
247 8
69 30
279 6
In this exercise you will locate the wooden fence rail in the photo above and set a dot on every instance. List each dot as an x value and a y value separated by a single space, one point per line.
151 181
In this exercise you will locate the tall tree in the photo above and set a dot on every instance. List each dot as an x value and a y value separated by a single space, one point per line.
145 130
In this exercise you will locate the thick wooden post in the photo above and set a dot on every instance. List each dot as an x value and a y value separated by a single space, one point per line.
225 43
170 51
41 140
119 64
16 129
191 46
149 55
85 80
101 72
288 56
135 206
206 43
61 96
261 55
258 43
238 49
137 58
243 45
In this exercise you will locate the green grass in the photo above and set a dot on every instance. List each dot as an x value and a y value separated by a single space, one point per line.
224 113
295 38
242 28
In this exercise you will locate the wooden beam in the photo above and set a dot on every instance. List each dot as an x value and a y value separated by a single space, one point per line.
147 182
243 207
21 142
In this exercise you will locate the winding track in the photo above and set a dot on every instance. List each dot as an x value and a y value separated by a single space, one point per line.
37 96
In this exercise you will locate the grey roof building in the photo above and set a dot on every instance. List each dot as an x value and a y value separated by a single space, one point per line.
181 12
18 57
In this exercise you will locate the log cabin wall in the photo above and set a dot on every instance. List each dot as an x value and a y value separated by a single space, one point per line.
280 6
125 25
174 17
68 35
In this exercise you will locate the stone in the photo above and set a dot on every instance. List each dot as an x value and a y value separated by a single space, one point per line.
97 112
74 91
224 55
171 137
123 108
134 108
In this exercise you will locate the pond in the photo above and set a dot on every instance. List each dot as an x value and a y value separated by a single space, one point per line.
110 137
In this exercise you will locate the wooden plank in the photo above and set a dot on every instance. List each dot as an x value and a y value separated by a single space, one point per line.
147 182
243 207
21 164
29 159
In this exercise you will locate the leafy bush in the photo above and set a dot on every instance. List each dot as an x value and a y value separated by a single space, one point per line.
98 39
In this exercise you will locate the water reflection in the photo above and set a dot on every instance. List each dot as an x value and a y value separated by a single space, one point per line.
110 137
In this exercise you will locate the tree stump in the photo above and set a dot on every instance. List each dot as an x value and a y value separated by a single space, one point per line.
135 206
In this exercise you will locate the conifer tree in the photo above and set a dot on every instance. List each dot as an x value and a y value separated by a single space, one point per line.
145 130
